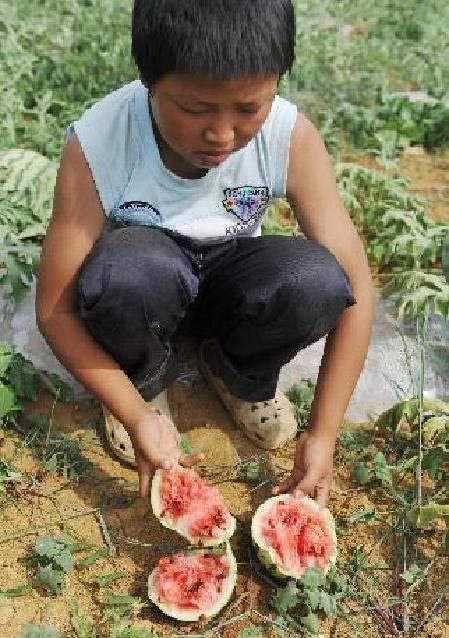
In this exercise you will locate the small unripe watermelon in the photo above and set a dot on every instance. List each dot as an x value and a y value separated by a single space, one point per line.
190 586
292 534
184 503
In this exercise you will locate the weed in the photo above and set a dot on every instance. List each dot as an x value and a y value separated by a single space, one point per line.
62 454
20 380
27 181
81 626
314 593
52 559
15 592
395 123
301 396
32 630
7 476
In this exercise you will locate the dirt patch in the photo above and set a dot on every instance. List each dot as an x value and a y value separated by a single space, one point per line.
428 176
106 499
427 172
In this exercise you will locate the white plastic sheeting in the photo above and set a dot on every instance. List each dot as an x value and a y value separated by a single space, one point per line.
389 375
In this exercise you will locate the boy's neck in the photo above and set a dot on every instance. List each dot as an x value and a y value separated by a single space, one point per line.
171 160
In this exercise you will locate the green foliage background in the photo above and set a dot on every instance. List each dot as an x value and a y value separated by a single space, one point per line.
57 57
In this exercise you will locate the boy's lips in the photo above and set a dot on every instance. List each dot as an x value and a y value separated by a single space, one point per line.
214 157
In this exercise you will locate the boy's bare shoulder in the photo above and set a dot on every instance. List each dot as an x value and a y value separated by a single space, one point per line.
305 135
310 167
76 197
76 224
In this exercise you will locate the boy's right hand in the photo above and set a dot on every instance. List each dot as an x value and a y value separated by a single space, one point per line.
156 445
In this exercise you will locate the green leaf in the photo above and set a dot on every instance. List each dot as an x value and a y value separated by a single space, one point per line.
83 628
186 446
286 598
252 471
50 578
365 516
113 599
421 517
328 604
381 469
6 356
361 474
8 403
445 260
413 574
313 578
16 592
301 396
32 630
51 464
435 430
339 581
87 561
254 632
7 475
312 598
49 546
104 581
78 547
433 460
64 560
407 464
311 623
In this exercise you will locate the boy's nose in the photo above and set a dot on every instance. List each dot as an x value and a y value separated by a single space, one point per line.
220 134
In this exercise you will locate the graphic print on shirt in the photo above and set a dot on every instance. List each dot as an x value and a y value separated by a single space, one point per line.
248 203
137 213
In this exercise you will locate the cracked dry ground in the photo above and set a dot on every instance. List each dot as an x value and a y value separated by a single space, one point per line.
133 529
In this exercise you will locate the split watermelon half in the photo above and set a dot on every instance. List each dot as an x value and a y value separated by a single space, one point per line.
294 534
183 502
193 585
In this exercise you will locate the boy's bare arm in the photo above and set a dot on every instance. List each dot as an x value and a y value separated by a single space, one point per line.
312 191
313 194
77 222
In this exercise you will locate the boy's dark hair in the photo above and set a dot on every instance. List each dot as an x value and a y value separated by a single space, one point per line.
220 39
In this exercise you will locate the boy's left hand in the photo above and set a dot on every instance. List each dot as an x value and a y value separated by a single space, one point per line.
312 471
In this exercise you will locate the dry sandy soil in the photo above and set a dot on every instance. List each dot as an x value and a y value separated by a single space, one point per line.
55 506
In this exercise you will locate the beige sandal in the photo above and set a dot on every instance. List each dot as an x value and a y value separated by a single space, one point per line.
118 438
269 424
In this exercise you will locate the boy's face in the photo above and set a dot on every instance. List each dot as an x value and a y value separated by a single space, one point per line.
202 121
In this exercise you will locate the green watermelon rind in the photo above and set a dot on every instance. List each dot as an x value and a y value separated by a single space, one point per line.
193 540
195 615
267 555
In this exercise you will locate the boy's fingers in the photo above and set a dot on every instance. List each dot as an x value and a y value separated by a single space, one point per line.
284 486
322 494
145 470
190 459
307 485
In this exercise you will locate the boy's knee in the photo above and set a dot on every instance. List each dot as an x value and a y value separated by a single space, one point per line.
328 281
315 292
134 268
320 280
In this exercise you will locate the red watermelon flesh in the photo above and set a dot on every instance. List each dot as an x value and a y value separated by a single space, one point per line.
186 497
298 535
191 582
